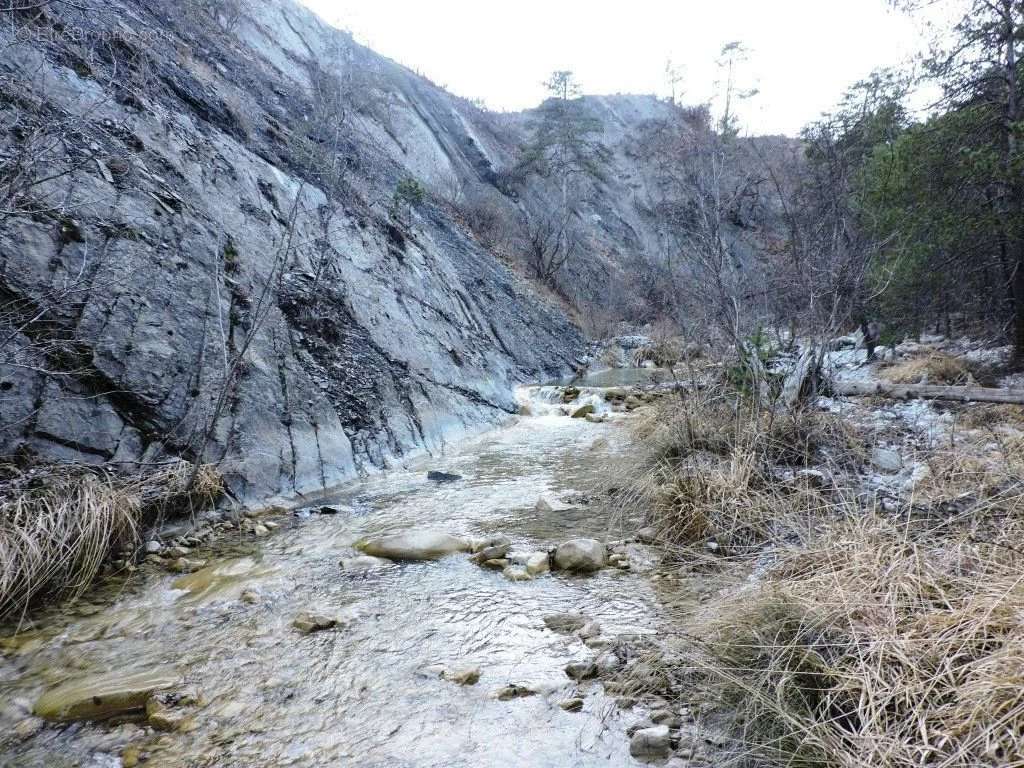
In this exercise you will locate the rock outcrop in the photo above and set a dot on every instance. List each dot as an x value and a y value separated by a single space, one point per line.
201 252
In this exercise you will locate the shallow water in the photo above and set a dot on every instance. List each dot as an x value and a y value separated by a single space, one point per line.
361 694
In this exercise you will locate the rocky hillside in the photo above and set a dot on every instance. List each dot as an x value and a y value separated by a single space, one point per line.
229 232
200 256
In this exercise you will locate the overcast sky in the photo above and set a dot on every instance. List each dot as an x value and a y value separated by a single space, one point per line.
803 53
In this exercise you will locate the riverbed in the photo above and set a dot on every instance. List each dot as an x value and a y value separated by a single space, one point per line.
367 693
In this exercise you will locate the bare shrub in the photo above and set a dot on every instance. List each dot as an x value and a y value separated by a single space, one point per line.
59 524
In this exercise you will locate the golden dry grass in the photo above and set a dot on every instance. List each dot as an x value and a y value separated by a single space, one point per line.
879 644
58 525
710 463
866 638
934 368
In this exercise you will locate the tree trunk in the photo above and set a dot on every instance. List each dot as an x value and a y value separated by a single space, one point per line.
929 392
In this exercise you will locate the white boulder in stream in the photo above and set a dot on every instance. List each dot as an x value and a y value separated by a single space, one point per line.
580 555
413 545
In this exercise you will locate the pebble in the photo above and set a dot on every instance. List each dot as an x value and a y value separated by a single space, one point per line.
581 670
571 705
514 691
463 675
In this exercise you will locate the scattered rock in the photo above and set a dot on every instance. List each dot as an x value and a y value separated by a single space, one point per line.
551 504
153 547
565 622
442 477
581 670
463 675
593 418
514 691
666 717
589 630
537 563
27 728
583 411
498 564
886 460
250 596
101 697
582 555
186 565
647 535
414 545
607 662
130 756
571 705
650 742
308 622
516 573
493 549
260 530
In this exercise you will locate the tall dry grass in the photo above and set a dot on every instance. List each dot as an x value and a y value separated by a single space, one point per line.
717 467
58 525
850 636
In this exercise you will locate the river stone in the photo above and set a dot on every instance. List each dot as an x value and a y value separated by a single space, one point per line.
413 545
442 477
494 548
580 555
650 742
514 691
583 411
647 535
361 563
581 670
537 563
498 564
589 630
574 704
463 675
516 573
308 622
886 460
565 622
102 696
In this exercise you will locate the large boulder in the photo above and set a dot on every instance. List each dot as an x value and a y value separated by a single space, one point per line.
581 555
413 545
103 696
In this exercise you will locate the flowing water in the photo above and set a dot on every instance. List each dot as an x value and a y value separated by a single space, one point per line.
364 694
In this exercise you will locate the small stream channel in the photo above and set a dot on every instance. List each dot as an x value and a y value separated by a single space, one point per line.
363 694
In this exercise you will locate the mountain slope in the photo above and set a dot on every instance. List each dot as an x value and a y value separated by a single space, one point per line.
179 274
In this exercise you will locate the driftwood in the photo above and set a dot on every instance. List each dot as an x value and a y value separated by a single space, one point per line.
802 378
929 392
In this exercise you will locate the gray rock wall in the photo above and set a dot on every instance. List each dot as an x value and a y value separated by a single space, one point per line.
175 278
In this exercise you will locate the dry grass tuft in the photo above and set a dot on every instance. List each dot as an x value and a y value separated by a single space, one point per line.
880 644
711 470
935 368
58 525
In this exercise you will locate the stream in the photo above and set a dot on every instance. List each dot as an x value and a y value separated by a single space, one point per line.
364 693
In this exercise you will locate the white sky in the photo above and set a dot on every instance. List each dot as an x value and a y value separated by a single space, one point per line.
804 53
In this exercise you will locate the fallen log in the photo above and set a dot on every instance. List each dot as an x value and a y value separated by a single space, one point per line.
929 392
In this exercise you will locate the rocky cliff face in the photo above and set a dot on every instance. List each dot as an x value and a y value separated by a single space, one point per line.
199 252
